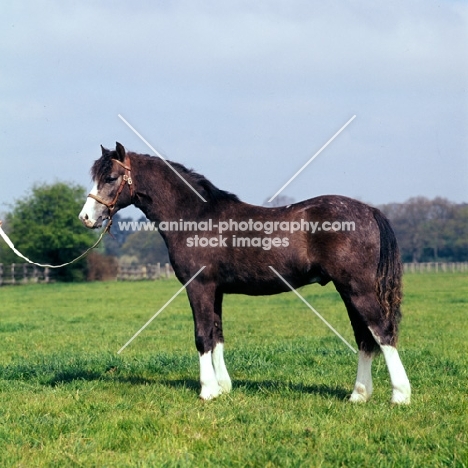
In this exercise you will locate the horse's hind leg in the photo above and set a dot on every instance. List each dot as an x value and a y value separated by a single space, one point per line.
363 387
401 388
373 331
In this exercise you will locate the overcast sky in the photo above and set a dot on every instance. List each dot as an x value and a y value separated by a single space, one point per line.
243 92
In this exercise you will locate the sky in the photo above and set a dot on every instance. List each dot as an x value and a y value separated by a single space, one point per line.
243 92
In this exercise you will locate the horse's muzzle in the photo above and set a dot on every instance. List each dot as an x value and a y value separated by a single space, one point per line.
91 223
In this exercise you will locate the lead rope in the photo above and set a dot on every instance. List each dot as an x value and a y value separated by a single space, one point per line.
126 179
17 252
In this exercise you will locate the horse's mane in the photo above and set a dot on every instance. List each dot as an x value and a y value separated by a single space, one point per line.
207 189
102 167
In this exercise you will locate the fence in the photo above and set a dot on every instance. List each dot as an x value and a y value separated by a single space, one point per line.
153 272
144 272
436 267
23 273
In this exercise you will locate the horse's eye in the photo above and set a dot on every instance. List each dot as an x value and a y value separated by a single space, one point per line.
109 180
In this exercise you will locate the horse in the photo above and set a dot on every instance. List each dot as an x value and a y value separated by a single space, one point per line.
266 250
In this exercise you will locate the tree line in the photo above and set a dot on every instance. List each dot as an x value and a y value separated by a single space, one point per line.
44 225
430 230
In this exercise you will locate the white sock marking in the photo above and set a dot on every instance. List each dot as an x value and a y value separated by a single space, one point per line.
401 387
400 383
209 385
220 369
363 386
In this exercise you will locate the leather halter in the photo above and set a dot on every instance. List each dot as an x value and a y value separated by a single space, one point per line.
127 179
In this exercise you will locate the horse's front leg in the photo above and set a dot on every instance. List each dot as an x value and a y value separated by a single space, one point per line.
202 301
219 366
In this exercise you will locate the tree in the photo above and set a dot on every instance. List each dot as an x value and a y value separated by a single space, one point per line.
145 246
430 230
457 234
441 211
113 243
7 256
45 227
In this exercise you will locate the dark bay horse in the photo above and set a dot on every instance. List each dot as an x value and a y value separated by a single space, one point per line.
327 238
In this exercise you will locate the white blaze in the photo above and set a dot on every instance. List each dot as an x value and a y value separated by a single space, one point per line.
88 214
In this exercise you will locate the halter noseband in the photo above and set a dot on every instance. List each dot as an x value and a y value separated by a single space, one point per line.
127 179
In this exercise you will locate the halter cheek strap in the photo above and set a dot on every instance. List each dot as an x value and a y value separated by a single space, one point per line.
126 179
127 176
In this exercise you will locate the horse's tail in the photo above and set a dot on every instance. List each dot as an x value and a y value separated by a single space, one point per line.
389 273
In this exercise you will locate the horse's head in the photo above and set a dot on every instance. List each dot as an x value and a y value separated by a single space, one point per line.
112 188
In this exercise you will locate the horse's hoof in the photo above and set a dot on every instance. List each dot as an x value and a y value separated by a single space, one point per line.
357 398
208 397
210 392
400 397
226 386
359 395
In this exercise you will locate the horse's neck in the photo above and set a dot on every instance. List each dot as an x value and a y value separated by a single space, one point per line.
161 194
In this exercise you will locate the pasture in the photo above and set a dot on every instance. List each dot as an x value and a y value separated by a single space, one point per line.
67 398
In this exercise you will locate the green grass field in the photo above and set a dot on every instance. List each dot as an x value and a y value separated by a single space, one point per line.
67 399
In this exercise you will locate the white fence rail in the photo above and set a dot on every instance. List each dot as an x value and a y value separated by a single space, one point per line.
22 273
436 267
144 272
25 273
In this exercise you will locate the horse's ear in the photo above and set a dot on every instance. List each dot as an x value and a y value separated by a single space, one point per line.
120 151
104 150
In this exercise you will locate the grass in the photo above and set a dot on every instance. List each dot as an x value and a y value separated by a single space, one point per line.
67 398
